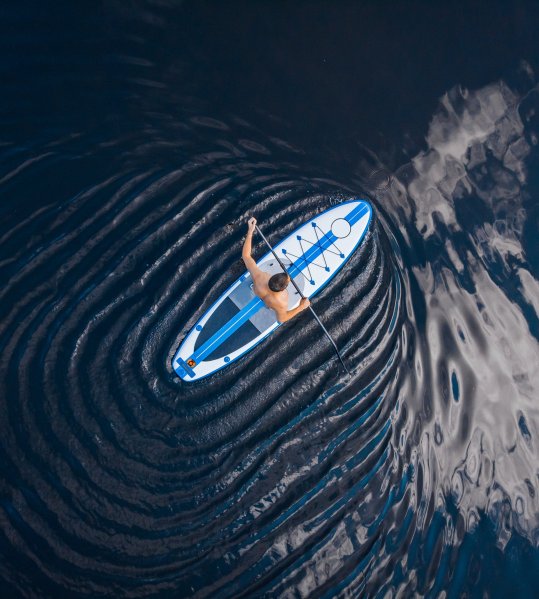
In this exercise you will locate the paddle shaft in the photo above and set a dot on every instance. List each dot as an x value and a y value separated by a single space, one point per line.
301 294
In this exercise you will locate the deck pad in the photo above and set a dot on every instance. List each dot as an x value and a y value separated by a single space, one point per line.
238 320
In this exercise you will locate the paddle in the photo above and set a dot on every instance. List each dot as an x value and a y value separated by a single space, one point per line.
301 294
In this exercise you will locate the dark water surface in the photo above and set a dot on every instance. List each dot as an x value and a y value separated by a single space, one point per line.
135 137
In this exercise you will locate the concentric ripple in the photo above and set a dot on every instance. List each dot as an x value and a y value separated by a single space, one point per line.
122 475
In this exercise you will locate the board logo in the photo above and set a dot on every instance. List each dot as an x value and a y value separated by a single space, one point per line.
191 363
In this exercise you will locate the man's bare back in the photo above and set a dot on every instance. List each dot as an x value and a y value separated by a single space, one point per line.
276 299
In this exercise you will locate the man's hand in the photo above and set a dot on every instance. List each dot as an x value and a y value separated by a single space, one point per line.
304 303
251 224
285 315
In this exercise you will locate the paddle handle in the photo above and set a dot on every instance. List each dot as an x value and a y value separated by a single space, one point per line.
301 294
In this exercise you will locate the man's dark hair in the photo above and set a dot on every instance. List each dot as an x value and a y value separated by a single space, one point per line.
278 282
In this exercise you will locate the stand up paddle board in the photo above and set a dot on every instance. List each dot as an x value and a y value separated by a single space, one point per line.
239 320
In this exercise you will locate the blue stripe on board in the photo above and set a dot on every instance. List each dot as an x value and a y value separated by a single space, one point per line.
253 306
226 330
356 214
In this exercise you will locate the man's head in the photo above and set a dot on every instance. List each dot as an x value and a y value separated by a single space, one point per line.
278 282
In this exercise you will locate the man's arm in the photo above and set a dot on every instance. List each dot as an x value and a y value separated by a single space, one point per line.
246 251
284 315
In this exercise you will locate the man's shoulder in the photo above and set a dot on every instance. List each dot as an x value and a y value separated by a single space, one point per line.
259 273
270 301
275 304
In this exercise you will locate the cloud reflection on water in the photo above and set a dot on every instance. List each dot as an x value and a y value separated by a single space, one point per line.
480 443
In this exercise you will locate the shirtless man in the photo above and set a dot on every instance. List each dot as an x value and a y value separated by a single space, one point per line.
271 289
